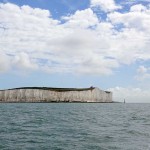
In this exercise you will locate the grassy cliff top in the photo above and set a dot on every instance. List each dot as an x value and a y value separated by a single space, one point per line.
53 89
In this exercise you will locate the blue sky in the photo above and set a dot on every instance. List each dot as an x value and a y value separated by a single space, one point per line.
71 43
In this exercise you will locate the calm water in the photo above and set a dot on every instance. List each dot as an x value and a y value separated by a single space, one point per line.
74 126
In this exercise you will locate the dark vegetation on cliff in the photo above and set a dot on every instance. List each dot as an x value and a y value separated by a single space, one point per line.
53 89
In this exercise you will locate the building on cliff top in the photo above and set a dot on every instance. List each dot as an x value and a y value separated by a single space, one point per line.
47 94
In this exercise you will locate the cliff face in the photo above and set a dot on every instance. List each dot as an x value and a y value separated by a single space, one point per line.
55 95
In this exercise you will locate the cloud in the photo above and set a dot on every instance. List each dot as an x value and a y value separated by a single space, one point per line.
5 63
135 30
143 73
23 62
131 95
138 18
105 5
138 8
84 19
133 2
142 70
80 43
65 46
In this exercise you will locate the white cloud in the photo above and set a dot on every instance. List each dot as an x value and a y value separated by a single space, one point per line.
138 18
23 62
105 5
134 37
138 7
131 95
37 12
68 45
83 44
84 18
142 70
5 63
133 2
143 73
97 65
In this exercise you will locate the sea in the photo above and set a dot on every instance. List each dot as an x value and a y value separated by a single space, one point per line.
74 126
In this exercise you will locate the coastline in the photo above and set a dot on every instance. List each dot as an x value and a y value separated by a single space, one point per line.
55 95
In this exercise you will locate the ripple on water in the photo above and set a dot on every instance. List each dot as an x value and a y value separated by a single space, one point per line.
74 126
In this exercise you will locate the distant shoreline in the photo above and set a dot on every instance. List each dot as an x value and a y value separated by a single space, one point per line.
59 102
55 95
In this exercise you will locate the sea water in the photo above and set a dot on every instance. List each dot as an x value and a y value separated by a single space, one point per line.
74 126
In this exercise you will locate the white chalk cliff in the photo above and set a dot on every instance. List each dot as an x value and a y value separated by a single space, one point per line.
45 94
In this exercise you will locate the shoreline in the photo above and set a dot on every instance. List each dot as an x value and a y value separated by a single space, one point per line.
55 95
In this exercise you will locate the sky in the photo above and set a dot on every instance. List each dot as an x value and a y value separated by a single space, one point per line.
74 43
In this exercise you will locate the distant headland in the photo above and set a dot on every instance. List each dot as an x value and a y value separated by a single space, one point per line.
50 94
